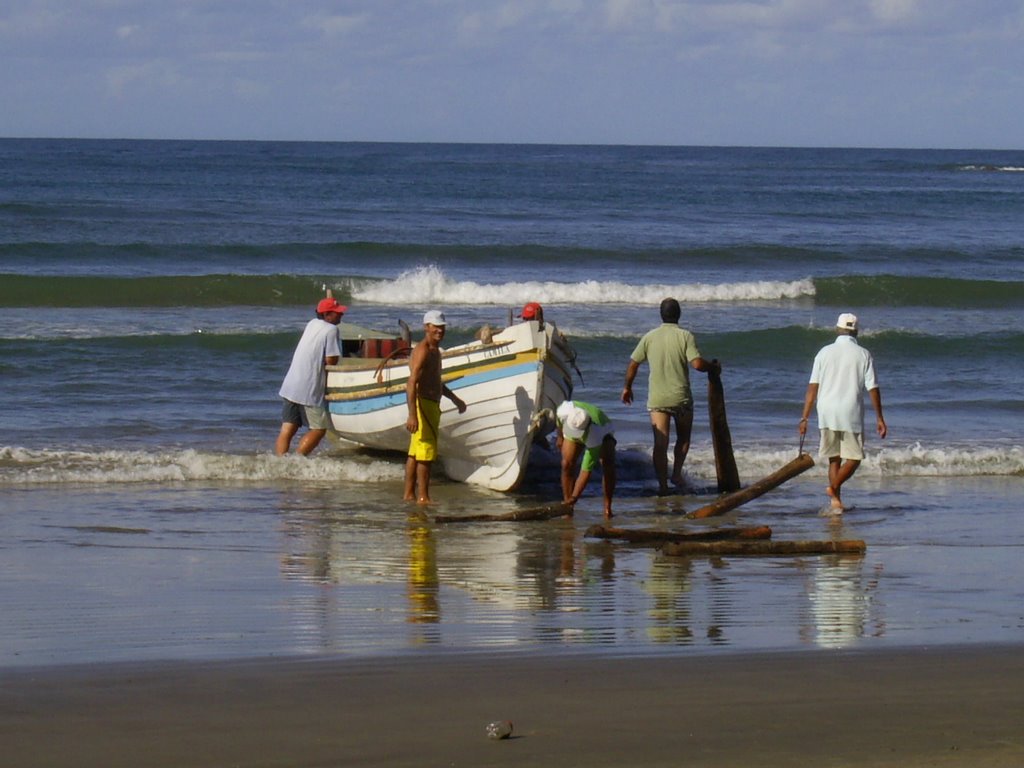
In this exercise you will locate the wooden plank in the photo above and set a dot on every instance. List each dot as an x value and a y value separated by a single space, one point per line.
721 438
650 535
762 548
732 500
532 513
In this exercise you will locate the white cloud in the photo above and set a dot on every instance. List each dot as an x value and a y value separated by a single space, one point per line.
336 25
623 14
892 11
575 70
143 77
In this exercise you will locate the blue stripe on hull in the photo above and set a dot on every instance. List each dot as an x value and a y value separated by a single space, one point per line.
381 402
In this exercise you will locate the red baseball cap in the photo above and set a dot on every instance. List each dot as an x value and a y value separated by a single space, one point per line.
530 311
330 305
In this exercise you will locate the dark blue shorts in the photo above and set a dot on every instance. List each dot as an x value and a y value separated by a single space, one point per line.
293 413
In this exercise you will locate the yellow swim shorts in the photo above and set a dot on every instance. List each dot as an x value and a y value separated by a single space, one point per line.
423 444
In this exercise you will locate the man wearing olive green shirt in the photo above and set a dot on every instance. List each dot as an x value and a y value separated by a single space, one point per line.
670 351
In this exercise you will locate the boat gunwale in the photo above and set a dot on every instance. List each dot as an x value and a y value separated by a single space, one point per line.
360 364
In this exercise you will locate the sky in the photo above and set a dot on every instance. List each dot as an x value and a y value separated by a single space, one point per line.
829 73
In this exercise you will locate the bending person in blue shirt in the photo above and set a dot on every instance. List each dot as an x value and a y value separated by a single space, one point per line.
584 428
842 372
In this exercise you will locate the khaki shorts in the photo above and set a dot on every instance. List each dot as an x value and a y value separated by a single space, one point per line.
678 412
845 445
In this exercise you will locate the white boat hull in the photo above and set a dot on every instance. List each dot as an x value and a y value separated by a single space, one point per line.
511 387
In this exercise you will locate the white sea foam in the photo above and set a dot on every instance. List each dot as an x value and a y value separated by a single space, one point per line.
1002 168
914 460
23 466
924 461
428 285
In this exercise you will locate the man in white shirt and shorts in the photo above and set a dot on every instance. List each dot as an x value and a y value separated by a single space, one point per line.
842 372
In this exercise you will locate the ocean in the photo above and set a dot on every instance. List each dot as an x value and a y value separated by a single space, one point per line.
152 292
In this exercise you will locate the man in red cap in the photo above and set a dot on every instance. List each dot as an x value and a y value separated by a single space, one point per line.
306 381
533 311
530 311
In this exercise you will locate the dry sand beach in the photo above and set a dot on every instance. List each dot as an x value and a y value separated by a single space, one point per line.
946 707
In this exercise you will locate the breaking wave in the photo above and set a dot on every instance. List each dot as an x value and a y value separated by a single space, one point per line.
26 466
31 467
430 284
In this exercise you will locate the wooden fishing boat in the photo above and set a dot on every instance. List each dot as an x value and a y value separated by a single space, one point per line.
511 382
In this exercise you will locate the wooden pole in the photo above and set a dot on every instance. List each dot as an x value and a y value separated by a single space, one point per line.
721 438
649 535
533 513
711 548
730 501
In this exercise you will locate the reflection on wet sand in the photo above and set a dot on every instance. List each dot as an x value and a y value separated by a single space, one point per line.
670 588
840 595
520 584
423 581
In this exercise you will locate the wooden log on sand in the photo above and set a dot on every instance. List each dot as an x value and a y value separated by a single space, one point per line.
533 513
712 548
732 500
721 438
649 535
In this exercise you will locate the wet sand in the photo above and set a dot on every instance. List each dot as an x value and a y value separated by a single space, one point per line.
906 708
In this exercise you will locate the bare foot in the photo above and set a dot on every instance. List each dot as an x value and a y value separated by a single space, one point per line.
423 500
834 500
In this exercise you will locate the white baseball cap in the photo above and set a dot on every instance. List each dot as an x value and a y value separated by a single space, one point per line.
574 420
847 321
434 317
